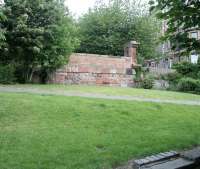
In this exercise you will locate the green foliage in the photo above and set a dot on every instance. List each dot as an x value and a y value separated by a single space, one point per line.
187 69
173 77
147 82
40 36
106 28
186 78
182 16
7 74
139 72
189 85
2 30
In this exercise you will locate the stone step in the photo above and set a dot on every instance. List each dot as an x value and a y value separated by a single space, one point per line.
179 163
170 160
193 154
155 158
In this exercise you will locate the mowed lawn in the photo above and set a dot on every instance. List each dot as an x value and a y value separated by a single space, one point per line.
57 132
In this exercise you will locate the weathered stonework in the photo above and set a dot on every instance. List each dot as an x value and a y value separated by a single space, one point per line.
94 69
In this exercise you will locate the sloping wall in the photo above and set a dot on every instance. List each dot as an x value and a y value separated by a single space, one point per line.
95 70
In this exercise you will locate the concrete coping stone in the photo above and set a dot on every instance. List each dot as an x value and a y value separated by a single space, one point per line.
193 154
179 163
170 160
156 158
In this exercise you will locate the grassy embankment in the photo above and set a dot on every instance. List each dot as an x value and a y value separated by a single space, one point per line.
57 132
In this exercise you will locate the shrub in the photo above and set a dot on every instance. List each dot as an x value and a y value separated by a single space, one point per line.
187 69
147 83
198 75
172 77
189 85
7 74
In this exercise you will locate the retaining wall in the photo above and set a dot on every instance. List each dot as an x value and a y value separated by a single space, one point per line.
94 69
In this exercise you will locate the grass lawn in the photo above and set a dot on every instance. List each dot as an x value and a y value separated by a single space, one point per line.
57 132
155 94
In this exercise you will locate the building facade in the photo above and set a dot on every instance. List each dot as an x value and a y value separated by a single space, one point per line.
171 57
174 56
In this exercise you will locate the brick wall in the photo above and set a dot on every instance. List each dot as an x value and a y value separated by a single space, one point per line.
95 70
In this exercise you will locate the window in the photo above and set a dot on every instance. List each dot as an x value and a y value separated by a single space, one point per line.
194 35
194 58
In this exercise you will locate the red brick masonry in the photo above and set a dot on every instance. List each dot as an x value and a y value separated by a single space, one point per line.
93 69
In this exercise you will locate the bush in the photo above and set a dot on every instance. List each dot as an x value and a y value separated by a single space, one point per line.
198 75
187 69
172 77
147 83
186 78
189 85
7 74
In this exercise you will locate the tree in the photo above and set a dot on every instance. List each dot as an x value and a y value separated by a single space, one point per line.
106 28
182 17
40 36
2 30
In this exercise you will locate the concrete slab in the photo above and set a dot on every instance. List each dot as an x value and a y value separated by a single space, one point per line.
155 158
169 160
179 163
193 154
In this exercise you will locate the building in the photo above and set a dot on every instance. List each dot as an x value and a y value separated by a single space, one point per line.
164 64
92 69
174 56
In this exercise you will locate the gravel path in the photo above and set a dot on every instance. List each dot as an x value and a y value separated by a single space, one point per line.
12 89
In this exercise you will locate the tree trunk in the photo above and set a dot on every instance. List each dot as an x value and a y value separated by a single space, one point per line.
31 75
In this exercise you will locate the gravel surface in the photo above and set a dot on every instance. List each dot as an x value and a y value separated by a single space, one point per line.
89 95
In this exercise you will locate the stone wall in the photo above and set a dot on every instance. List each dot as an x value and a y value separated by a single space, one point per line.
93 69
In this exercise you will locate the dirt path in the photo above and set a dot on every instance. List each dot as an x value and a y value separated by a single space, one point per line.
12 89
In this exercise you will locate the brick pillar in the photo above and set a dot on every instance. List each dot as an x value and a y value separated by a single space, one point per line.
130 50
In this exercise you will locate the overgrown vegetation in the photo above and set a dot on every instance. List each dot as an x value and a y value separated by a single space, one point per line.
7 74
188 69
107 27
2 30
142 78
189 85
39 35
186 78
147 82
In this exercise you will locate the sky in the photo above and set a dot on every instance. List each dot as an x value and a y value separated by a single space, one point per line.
79 7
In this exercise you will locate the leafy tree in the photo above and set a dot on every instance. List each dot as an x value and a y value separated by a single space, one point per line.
106 28
2 30
182 17
40 36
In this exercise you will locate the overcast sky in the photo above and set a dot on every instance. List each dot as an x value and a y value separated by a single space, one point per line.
79 7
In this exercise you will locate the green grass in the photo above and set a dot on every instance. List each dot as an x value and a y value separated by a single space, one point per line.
57 132
156 94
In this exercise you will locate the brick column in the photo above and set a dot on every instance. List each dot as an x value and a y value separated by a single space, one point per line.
132 51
